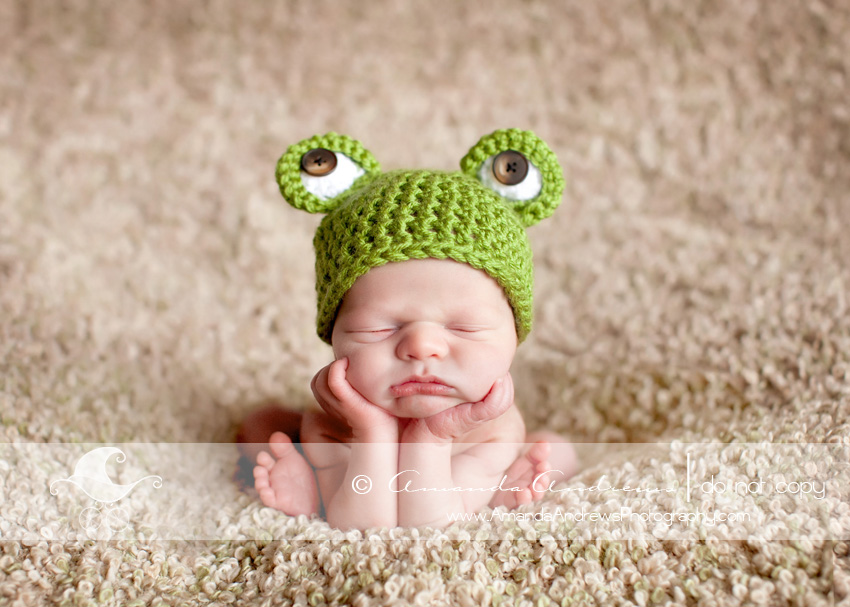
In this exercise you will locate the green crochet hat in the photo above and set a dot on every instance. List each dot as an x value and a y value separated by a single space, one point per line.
508 181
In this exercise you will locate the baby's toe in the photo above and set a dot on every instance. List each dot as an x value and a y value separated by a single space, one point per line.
539 485
261 478
539 452
268 497
281 445
265 460
524 497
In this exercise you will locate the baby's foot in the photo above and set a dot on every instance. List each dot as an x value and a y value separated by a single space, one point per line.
286 483
256 429
530 473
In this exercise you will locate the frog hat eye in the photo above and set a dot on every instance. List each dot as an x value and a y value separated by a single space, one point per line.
313 173
318 162
519 167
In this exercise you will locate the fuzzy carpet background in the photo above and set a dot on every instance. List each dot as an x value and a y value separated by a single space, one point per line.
154 287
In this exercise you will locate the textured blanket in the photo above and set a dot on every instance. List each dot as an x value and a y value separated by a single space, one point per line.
692 330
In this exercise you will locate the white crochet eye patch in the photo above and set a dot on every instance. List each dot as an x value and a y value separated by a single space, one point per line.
336 182
527 189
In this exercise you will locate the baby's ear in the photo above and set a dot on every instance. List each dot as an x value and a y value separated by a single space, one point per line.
520 168
313 173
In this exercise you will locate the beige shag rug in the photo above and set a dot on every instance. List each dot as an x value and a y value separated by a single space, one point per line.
691 297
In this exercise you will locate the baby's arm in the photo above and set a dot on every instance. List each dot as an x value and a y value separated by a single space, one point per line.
426 462
373 454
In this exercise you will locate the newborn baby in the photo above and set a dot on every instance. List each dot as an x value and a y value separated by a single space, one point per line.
424 283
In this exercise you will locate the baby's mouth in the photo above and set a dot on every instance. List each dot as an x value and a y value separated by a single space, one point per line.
412 386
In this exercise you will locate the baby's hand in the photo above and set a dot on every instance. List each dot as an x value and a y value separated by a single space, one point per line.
338 398
530 473
453 423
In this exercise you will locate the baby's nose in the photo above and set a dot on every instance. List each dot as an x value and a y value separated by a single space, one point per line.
421 341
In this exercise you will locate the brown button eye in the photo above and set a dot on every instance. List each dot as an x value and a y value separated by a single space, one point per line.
510 167
318 162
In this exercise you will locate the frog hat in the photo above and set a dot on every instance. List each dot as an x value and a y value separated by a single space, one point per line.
508 181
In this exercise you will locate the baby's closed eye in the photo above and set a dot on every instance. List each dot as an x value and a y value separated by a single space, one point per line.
469 331
461 328
371 334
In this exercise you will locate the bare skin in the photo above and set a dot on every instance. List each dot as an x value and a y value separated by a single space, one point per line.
420 401
286 468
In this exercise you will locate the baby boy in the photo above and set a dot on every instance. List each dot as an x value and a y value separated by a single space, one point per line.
424 284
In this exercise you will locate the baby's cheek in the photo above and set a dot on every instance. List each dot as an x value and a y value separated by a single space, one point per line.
477 382
488 369
362 375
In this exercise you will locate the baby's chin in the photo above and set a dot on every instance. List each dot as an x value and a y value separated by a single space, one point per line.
421 405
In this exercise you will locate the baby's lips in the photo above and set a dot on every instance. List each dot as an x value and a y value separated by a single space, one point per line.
428 386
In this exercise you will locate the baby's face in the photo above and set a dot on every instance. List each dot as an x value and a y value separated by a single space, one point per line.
424 335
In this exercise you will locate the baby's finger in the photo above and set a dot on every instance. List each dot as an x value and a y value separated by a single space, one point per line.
508 387
319 383
339 386
497 401
322 393
470 415
502 395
